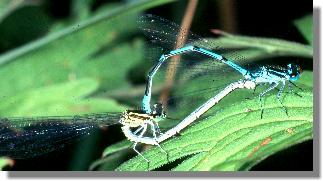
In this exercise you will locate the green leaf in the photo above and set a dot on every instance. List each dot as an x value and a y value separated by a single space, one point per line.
305 26
117 147
80 27
235 137
61 99
306 79
88 48
256 48
113 156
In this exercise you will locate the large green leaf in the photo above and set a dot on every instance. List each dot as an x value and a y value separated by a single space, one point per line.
88 48
235 137
61 99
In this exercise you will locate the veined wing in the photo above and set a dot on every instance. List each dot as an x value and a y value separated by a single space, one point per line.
29 137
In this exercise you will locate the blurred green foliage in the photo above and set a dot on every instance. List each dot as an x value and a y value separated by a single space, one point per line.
83 61
305 26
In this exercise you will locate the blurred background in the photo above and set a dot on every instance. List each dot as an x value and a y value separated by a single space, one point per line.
67 57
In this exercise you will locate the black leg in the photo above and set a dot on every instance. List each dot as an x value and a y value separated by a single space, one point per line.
261 95
291 90
279 97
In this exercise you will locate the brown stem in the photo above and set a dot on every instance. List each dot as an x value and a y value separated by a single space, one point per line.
171 69
227 15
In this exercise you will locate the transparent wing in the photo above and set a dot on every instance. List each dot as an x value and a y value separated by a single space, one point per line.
194 83
29 137
197 77
165 33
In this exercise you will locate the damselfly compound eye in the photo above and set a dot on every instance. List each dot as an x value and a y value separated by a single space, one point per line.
294 71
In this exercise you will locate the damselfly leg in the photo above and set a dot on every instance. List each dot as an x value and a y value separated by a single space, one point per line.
153 129
290 89
279 96
143 129
261 95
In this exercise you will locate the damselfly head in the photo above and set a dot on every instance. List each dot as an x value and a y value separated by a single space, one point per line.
158 110
294 71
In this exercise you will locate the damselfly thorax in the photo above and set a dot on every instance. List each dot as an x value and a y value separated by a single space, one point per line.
136 118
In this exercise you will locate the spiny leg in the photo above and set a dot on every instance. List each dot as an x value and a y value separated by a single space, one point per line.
261 105
292 90
134 146
155 137
279 96
296 86
261 95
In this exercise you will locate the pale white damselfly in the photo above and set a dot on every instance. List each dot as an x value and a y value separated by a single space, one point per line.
241 84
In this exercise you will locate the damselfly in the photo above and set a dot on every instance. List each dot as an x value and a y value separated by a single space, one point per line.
241 84
165 32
